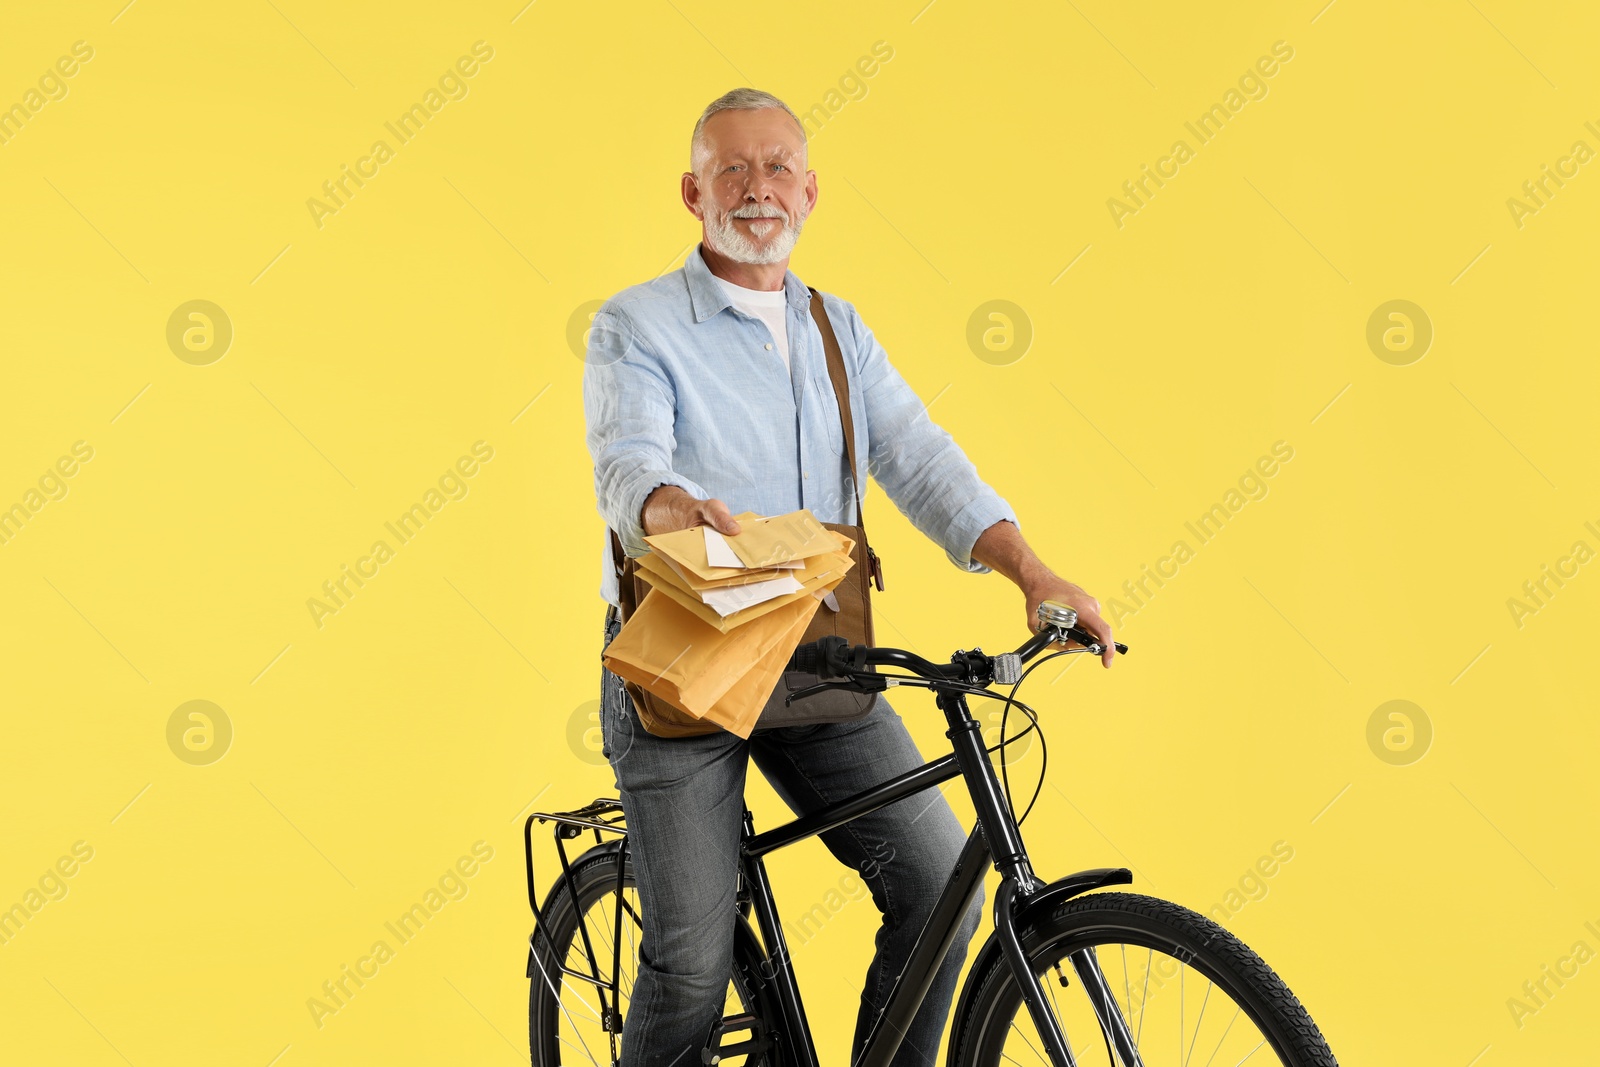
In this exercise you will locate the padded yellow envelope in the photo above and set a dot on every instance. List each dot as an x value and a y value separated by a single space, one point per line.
693 666
760 543
819 575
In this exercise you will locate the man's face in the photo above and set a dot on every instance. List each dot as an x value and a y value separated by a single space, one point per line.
753 193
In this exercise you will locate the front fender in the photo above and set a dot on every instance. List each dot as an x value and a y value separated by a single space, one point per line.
1064 889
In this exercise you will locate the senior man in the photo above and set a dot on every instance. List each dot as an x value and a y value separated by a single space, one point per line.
706 393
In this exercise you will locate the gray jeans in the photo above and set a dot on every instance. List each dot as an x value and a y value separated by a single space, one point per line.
684 802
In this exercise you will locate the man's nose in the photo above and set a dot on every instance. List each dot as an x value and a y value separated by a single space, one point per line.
758 187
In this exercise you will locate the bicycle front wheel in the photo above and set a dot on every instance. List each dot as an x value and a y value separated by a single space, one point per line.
1188 993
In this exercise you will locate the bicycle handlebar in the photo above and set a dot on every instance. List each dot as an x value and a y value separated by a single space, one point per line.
834 657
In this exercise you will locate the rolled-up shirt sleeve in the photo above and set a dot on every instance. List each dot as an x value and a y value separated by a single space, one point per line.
629 407
920 466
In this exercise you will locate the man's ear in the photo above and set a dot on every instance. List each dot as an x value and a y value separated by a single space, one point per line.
692 195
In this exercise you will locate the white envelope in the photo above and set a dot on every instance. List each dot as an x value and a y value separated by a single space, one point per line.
734 598
718 553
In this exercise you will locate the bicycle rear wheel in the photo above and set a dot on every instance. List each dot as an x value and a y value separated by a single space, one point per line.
576 1009
1192 994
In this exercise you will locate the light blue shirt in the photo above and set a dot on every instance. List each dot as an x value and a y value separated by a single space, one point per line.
681 388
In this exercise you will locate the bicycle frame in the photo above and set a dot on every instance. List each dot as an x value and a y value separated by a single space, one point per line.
996 840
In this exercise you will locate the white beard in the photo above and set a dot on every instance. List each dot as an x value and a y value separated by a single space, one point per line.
725 239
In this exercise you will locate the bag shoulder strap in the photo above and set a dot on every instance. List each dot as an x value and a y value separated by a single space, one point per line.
841 393
623 565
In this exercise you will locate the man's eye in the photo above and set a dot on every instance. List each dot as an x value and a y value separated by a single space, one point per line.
779 166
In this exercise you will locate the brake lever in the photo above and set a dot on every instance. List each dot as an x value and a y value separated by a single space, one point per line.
870 683
1093 647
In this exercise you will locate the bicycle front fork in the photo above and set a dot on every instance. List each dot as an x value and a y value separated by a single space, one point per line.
1087 967
1004 841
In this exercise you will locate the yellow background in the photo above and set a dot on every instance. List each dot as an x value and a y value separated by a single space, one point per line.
452 694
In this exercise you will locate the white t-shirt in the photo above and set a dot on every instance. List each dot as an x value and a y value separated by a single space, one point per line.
770 307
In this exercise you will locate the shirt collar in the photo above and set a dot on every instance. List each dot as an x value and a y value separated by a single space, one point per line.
706 297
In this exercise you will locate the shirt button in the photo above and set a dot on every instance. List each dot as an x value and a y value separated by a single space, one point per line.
769 348
806 473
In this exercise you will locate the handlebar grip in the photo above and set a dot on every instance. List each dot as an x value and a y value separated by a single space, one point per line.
826 657
805 658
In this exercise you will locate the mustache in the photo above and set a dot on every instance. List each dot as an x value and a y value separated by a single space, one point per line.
758 211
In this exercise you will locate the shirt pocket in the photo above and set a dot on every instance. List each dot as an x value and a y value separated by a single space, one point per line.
827 411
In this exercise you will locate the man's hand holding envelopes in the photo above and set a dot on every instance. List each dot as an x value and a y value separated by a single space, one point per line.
724 614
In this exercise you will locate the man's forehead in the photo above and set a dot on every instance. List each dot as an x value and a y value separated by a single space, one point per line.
767 132
754 147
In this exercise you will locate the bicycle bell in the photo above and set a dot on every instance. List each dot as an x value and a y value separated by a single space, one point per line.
1054 613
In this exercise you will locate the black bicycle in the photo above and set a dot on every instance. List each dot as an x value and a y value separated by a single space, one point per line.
1069 975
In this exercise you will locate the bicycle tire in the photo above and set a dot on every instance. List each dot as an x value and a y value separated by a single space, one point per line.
594 874
994 1010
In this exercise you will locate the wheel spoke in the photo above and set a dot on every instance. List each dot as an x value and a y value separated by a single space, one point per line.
575 1048
1210 985
1127 994
1144 997
602 930
594 1013
1252 1052
1055 1009
1042 1057
600 926
1236 1010
568 1014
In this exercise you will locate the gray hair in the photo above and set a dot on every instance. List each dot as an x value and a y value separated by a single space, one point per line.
743 99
